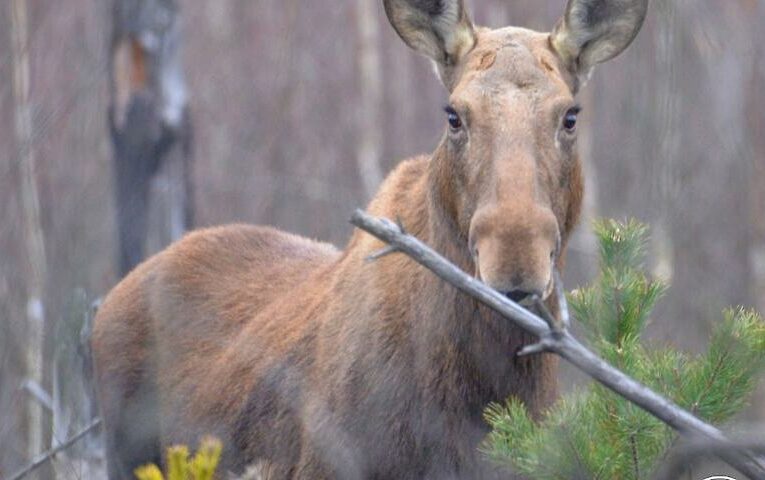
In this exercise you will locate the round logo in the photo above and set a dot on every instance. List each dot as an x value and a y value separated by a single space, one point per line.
719 477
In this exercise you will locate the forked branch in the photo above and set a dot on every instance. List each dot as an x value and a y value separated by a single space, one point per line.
561 342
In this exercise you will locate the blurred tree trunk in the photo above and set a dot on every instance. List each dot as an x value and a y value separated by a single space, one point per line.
369 141
756 119
33 233
149 120
707 199
674 155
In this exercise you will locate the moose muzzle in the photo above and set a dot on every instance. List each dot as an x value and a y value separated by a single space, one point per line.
515 251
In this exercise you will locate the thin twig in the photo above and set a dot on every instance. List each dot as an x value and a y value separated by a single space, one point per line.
562 343
38 393
381 253
560 292
547 316
635 463
543 345
46 456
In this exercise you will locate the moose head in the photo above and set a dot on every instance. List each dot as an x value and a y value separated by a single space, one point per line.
509 175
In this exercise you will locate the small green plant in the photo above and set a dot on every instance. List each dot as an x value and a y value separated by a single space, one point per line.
596 434
180 467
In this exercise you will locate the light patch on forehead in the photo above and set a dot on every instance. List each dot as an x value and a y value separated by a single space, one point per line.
487 60
509 64
511 71
546 65
522 58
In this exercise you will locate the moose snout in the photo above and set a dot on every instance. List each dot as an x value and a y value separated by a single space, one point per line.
515 256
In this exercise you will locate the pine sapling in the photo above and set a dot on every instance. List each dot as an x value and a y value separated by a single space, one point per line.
593 433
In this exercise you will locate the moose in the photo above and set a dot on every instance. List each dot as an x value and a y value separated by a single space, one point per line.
309 362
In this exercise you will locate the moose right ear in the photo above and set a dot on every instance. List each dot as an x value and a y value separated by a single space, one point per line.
438 29
593 31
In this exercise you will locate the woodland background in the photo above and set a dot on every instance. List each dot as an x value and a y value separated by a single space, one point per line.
299 108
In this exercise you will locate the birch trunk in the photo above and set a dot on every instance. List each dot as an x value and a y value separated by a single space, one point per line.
33 232
150 123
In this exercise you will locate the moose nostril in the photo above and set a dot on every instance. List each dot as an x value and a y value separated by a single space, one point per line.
517 295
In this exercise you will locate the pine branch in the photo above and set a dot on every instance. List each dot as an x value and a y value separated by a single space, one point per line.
563 344
635 463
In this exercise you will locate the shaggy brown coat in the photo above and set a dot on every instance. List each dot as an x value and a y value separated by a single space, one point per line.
316 364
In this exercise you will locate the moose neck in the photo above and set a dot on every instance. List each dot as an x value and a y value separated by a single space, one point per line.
470 348
444 232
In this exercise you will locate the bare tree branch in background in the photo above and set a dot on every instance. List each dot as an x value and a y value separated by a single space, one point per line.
41 459
149 120
33 233
370 74
556 339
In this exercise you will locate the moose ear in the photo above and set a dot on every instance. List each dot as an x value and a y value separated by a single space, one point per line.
593 31
438 29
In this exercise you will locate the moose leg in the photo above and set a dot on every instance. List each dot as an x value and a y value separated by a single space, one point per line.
131 429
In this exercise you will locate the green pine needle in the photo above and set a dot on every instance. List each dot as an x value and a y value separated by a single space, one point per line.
179 467
595 434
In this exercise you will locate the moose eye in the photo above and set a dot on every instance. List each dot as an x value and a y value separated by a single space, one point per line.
454 119
569 120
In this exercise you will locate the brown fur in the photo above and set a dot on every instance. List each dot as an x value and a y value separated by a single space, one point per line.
319 365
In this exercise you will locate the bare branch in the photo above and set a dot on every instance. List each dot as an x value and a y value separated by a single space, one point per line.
382 253
563 344
542 346
45 457
38 393
560 292
555 325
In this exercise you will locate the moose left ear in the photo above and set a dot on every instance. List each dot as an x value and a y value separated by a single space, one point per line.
438 29
593 31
